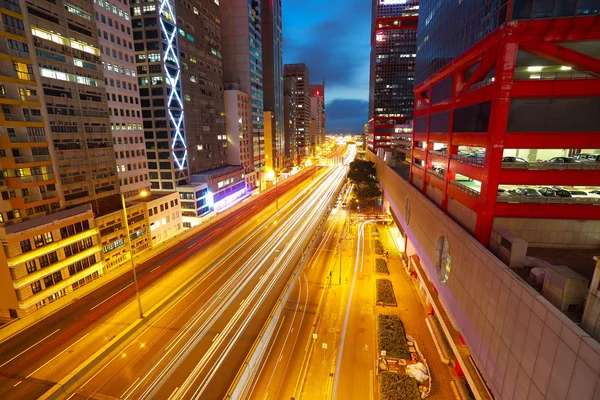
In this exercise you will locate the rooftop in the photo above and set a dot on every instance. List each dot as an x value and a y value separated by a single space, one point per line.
152 197
47 219
214 173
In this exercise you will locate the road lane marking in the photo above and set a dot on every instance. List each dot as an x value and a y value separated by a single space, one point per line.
158 266
29 348
111 296
17 384
174 393
130 386
215 338
53 358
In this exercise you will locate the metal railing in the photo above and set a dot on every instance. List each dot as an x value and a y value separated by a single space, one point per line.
34 178
438 153
23 138
437 174
467 160
466 189
22 118
30 159
548 200
421 149
551 166
417 165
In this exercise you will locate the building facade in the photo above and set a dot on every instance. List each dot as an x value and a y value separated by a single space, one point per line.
392 71
159 73
272 67
504 98
238 116
115 38
300 73
164 216
202 79
242 63
289 120
317 112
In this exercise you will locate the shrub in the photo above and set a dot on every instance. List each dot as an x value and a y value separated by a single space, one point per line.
378 247
385 292
392 337
381 266
394 386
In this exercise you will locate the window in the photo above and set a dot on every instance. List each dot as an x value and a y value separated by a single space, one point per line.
38 240
444 259
48 237
25 245
36 287
44 262
31 266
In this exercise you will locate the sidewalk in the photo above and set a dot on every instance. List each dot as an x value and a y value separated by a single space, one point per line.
413 314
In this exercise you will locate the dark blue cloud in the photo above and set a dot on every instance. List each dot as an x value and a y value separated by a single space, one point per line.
332 38
346 116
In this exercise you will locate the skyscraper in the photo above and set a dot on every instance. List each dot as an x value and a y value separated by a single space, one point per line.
202 82
159 73
392 72
317 111
289 120
242 62
299 72
122 95
272 67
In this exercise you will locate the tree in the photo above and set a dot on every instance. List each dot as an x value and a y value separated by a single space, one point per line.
362 172
368 193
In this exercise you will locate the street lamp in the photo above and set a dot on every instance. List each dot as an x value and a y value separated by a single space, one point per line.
143 193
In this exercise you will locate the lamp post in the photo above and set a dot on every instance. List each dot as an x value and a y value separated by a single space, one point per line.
143 193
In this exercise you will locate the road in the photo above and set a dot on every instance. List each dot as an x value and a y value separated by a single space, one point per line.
284 369
195 348
35 359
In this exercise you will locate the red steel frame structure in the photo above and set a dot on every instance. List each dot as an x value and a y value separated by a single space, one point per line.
499 50
382 127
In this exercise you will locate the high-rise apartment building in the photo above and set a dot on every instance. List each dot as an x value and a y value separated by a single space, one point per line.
159 73
242 62
317 112
202 80
272 67
238 117
289 120
118 62
503 160
392 72
68 60
299 72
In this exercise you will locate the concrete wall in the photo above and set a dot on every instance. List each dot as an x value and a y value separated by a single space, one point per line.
524 347
553 232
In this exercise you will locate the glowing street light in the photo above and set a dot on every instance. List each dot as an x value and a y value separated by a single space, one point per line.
142 193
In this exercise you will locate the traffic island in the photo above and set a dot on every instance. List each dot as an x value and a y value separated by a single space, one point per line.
385 293
381 266
392 338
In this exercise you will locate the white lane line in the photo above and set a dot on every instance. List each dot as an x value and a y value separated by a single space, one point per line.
172 396
111 296
129 388
17 384
215 338
58 355
29 348
158 266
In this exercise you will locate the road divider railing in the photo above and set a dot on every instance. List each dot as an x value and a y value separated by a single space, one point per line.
247 373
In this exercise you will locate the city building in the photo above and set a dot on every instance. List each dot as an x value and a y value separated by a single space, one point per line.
289 120
272 67
113 231
226 186
194 204
301 98
46 258
242 64
118 63
160 75
164 215
199 40
317 112
392 70
497 221
238 115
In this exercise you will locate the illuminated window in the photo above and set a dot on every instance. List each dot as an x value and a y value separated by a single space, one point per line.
187 97
24 71
78 11
154 57
195 11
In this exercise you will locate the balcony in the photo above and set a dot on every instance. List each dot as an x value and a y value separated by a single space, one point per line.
22 118
19 53
545 166
548 200
14 30
31 159
24 76
438 174
16 182
22 140
438 153
10 6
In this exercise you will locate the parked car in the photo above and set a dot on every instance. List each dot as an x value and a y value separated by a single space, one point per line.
565 160
554 192
595 192
578 193
528 192
504 193
588 157
514 159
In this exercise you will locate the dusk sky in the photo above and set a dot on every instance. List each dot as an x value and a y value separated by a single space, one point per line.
332 38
